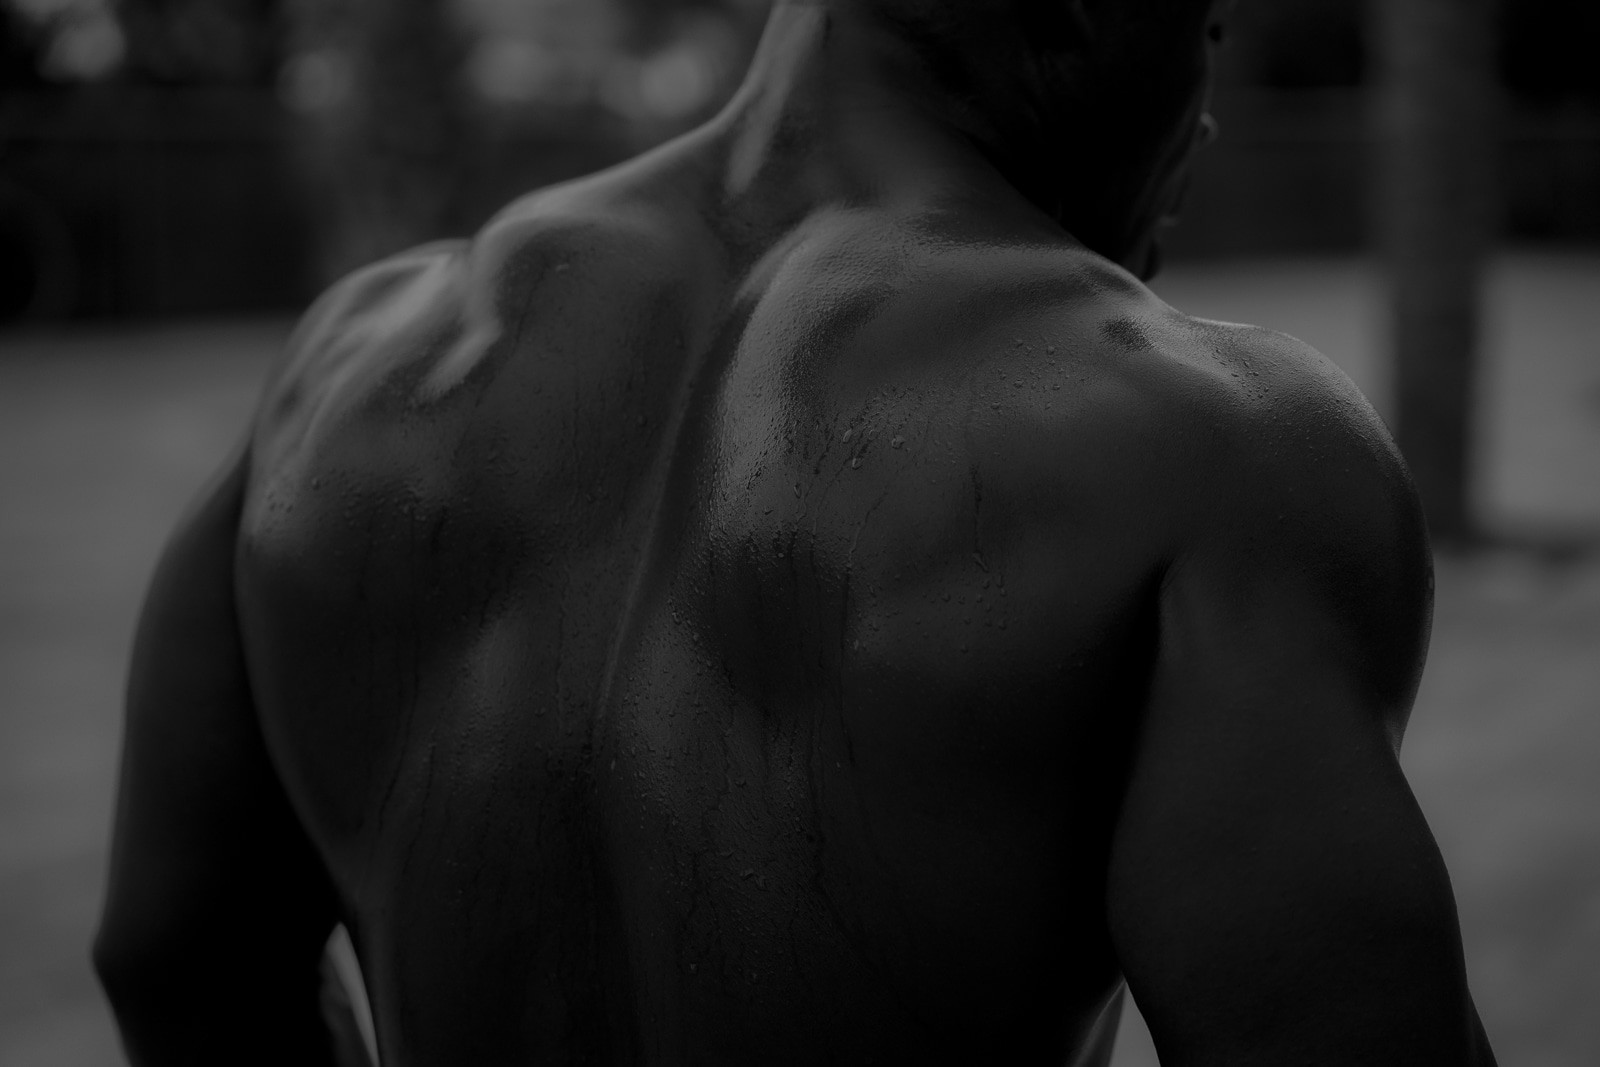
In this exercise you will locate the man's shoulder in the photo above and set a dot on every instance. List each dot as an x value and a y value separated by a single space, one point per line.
549 230
430 313
1265 455
1097 386
1285 443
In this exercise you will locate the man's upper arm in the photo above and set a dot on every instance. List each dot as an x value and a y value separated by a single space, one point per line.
217 908
1274 894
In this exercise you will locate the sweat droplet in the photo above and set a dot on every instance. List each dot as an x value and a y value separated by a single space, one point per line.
898 442
855 464
847 435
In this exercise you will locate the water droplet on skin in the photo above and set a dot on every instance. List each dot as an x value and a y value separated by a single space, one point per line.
898 442
847 435
855 464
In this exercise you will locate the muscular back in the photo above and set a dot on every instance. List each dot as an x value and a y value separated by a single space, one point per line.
701 651
785 601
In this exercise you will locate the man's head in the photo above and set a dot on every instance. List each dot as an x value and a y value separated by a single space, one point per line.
1091 108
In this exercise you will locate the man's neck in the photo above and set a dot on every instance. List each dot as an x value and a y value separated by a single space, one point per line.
838 109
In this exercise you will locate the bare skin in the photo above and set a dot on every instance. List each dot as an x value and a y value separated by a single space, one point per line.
787 601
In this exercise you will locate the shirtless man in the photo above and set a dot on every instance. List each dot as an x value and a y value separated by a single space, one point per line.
797 598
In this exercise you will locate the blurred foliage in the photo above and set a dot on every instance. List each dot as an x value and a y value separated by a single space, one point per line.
410 119
1545 45
19 51
59 41
206 42
417 112
1306 44
394 131
1547 51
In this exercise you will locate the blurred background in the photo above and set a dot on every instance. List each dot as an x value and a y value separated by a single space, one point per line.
1413 186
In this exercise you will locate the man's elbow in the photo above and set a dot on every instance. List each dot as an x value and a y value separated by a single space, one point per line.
141 978
119 967
179 999
164 986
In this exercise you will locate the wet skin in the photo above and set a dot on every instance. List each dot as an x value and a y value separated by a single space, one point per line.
721 616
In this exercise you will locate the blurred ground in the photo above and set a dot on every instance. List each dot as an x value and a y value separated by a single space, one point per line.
104 435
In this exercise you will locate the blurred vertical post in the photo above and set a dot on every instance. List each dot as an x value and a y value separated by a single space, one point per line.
408 144
1438 124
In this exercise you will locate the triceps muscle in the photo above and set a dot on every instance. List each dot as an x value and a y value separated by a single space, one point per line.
217 906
